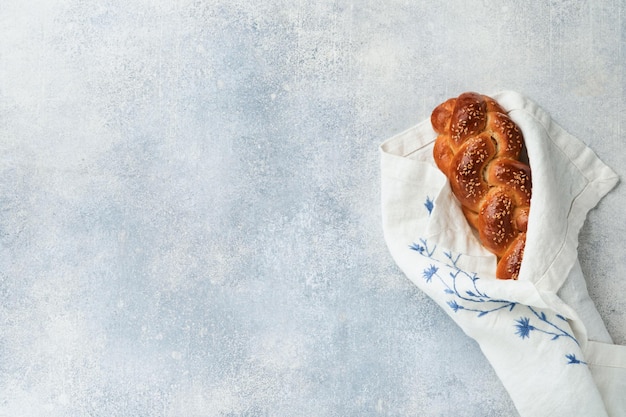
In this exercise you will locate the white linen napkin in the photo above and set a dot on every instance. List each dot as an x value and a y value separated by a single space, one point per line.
541 333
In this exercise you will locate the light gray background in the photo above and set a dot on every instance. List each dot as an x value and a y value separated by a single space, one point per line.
189 198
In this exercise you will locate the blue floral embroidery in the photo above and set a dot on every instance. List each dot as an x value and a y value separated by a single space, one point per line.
523 327
423 248
573 360
454 305
476 301
429 205
544 318
429 272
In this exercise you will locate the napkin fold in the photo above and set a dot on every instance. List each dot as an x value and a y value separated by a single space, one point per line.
541 333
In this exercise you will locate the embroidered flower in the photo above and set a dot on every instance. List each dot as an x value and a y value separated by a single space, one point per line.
455 306
429 205
573 360
429 272
465 294
416 247
523 327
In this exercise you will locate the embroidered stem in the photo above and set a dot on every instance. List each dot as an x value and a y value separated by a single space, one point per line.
448 290
481 313
451 282
542 317
455 260
475 278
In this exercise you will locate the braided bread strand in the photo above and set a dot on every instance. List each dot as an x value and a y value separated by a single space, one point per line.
478 148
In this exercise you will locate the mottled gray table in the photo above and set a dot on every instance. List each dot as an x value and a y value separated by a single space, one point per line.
189 198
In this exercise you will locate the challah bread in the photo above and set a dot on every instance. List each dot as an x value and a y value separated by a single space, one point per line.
478 148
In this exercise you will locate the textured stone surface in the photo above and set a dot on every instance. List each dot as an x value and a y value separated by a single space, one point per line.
189 198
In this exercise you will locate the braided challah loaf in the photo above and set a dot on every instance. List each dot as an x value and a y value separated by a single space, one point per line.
478 148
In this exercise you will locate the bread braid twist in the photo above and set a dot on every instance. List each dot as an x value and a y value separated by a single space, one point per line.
478 148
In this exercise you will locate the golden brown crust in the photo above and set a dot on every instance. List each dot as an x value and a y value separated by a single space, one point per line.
509 264
478 148
440 117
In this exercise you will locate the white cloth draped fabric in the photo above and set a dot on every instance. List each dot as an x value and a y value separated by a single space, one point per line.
541 333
